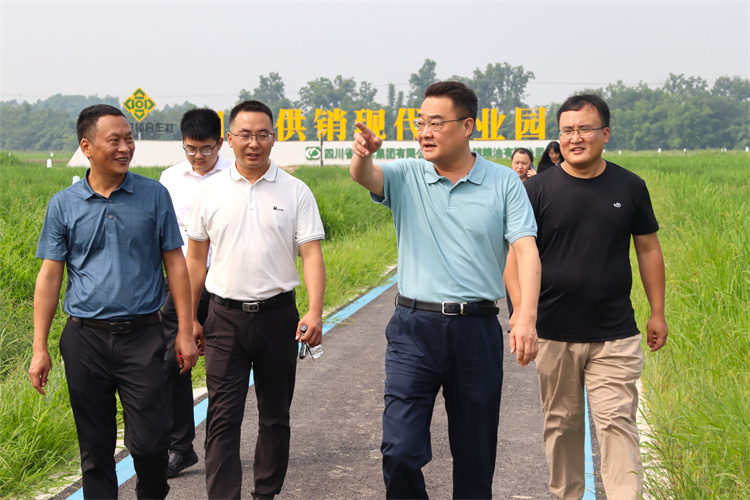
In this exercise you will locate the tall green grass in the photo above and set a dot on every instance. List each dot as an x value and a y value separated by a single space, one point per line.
37 434
697 388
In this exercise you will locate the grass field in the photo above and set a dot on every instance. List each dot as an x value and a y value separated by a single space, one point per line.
696 389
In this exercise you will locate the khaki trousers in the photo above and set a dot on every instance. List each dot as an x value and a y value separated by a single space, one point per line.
609 371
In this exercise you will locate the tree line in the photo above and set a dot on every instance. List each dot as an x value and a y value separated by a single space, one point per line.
682 114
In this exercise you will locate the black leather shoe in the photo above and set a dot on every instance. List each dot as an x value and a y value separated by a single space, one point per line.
179 462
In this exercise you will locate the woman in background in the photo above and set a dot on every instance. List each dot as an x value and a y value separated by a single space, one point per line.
522 161
550 157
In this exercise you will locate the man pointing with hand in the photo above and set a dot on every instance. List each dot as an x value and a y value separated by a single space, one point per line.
455 214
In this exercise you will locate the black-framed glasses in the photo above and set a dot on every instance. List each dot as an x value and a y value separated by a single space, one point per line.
262 137
568 133
433 124
205 150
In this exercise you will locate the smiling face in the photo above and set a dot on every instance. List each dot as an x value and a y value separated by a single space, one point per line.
251 157
583 153
111 148
445 146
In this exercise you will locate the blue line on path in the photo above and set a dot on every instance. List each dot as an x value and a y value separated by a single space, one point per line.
126 470
590 492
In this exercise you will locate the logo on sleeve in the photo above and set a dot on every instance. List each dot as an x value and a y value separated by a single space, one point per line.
278 209
616 205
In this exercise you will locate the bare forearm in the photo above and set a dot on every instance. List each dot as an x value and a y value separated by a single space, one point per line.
651 267
653 277
46 299
510 277
314 272
197 258
361 170
529 282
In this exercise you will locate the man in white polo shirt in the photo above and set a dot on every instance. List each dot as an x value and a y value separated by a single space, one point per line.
201 140
255 218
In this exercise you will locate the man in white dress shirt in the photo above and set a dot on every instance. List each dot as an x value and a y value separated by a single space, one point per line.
201 140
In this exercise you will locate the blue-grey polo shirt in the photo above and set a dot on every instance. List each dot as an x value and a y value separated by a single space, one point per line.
453 239
111 246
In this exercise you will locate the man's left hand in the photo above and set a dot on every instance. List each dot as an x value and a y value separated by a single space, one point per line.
186 352
314 334
524 342
656 332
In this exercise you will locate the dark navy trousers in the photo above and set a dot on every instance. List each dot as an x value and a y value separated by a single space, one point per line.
464 356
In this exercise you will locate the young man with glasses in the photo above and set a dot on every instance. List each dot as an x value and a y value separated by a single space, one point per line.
256 218
201 141
588 209
455 214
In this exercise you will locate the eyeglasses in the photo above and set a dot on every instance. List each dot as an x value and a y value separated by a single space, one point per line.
262 138
433 124
205 150
568 133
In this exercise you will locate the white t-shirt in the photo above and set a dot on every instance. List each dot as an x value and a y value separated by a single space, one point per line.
183 182
255 231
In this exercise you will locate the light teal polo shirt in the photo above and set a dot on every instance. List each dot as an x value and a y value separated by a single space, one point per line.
453 239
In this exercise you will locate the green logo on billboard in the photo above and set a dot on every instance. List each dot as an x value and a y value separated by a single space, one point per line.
312 153
139 104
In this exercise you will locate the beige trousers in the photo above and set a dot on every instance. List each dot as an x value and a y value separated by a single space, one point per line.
609 371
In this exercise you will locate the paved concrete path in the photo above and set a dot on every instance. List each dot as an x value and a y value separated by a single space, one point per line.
336 425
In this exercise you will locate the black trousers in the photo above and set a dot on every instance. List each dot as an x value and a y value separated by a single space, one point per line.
179 388
96 365
236 343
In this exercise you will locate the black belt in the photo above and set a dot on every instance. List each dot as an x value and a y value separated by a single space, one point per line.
119 327
254 306
481 308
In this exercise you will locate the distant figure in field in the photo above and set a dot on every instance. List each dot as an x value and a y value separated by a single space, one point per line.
588 211
201 141
550 157
113 230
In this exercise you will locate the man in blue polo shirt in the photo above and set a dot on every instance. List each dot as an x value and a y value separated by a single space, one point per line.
112 231
455 215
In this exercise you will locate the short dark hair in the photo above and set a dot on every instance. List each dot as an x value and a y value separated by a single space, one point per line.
88 118
250 106
201 124
463 97
578 102
525 151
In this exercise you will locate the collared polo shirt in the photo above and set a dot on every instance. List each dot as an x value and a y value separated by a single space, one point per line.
255 231
453 239
183 183
112 247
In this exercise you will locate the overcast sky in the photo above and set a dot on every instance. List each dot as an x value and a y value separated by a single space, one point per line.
206 52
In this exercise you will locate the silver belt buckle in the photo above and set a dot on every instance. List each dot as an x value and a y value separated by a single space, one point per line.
461 308
251 307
